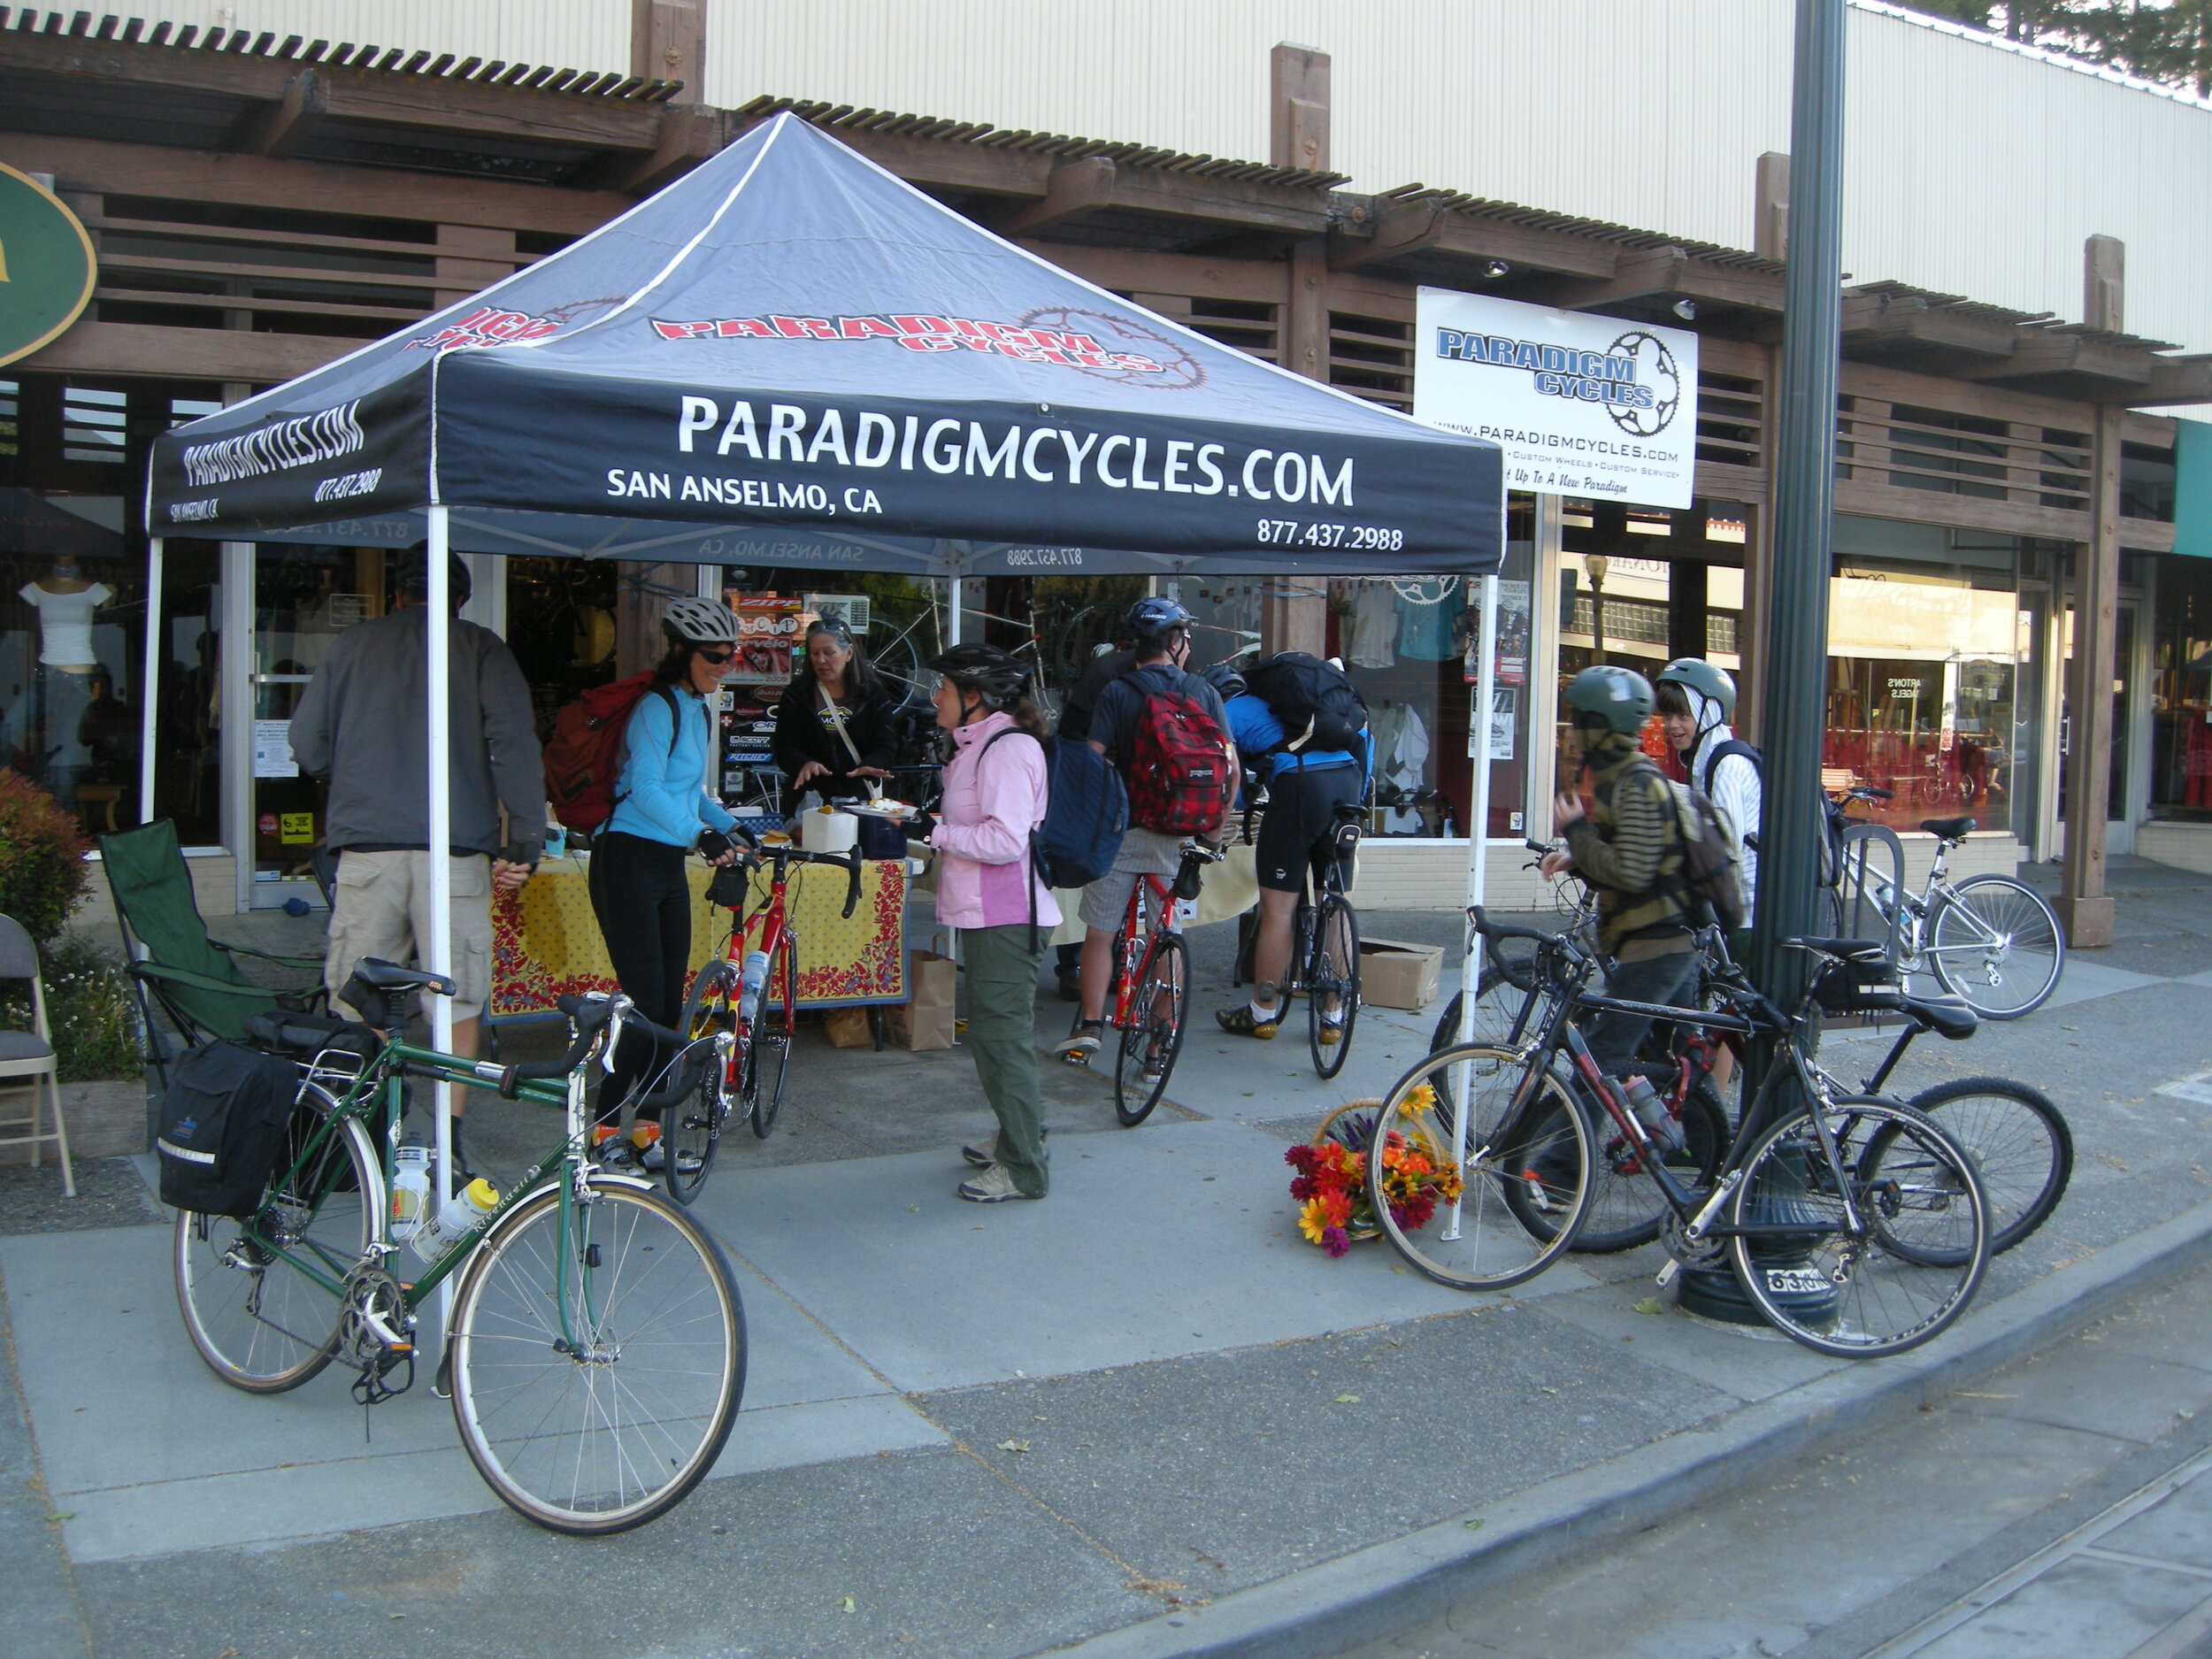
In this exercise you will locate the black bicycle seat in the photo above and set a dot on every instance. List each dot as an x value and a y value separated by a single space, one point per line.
1949 829
1948 1017
380 975
1843 949
311 1034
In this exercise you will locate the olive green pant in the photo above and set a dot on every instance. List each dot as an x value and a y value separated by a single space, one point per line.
1001 966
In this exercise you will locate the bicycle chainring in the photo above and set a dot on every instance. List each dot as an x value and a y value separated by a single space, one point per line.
1708 1255
374 1304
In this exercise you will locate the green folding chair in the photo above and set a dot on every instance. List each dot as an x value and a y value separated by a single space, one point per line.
191 977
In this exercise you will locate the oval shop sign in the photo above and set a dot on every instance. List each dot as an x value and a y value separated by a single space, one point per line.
46 265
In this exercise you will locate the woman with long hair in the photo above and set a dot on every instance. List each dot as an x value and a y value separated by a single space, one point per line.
989 888
662 811
834 723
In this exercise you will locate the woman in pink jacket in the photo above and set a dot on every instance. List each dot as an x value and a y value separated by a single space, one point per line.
988 887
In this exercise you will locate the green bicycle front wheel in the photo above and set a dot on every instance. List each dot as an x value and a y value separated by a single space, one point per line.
259 1296
598 1357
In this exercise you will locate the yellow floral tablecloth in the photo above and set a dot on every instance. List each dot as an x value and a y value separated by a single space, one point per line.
546 942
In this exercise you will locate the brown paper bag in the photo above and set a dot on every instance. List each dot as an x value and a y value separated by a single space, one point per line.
925 1020
846 1028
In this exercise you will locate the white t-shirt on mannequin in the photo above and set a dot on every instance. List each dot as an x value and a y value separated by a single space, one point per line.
65 623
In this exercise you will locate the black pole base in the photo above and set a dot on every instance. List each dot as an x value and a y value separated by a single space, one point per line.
1715 1293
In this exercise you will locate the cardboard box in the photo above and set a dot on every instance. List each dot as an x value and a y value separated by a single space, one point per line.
1394 974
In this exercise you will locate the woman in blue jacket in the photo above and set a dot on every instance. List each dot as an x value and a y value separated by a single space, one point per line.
662 809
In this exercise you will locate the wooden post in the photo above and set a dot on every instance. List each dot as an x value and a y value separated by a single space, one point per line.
1293 613
1770 207
2083 905
2104 283
667 41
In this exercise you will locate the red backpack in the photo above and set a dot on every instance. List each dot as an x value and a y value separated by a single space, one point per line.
584 756
1179 767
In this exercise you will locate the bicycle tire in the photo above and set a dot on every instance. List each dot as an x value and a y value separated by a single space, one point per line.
541 1401
2022 1147
1627 1207
1164 973
224 1292
1497 1003
2034 944
1332 975
695 1129
1918 1254
770 1058
1494 1249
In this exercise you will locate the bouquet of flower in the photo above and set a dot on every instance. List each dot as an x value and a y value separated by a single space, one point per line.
1335 1206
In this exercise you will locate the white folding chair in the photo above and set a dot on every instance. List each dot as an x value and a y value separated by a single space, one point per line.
27 1058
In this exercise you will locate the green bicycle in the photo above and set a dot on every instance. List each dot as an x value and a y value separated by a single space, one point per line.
595 1349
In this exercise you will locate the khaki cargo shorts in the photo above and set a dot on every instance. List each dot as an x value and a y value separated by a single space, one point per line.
381 907
1143 853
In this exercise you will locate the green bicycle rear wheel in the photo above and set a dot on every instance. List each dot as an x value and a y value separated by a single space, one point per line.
258 1319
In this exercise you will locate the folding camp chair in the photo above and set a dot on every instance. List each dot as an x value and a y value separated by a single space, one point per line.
27 1058
174 963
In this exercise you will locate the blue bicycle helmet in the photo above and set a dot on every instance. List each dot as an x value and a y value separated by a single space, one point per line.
1155 617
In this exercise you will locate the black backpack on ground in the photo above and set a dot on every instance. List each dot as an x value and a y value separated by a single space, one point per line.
1832 817
1318 705
223 1122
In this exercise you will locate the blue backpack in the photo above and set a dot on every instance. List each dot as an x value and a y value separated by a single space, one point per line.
1086 812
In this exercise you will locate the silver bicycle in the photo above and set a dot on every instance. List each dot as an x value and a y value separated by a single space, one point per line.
1991 940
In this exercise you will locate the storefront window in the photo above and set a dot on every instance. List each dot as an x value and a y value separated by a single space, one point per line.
1927 652
72 606
2181 691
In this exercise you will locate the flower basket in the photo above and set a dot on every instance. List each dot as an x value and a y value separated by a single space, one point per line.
1335 1209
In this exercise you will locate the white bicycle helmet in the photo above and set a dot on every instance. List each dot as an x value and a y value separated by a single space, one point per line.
700 622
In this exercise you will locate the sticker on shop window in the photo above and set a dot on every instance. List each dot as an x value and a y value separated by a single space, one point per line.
295 829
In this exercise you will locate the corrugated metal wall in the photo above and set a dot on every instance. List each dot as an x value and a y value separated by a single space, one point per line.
1973 170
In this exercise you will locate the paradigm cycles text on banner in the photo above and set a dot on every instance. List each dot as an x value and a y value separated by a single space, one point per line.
1581 404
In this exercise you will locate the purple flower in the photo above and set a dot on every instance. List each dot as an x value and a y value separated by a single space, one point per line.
1336 1241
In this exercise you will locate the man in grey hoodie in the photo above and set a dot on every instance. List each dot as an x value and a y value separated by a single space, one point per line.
361 727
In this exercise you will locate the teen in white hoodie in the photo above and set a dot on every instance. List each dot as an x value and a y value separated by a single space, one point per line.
1695 702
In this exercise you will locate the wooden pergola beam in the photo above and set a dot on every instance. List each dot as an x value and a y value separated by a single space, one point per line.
1079 188
2177 380
280 128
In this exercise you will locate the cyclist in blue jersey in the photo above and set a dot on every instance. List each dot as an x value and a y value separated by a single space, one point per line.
1304 791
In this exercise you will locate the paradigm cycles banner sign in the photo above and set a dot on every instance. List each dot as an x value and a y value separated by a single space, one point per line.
1582 405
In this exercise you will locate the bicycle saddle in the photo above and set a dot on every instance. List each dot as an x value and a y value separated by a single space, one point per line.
1948 1017
380 975
1949 829
1842 949
311 1034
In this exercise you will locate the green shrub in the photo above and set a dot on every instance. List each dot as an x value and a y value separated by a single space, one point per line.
89 1009
43 868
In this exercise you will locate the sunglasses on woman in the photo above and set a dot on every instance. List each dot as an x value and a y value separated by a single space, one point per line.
717 657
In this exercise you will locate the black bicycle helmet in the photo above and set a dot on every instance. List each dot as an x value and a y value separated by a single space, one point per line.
998 676
1224 678
1154 618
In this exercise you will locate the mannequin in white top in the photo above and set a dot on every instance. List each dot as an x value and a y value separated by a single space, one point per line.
65 600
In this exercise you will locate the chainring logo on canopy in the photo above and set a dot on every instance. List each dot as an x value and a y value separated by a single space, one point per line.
1656 369
1171 366
490 325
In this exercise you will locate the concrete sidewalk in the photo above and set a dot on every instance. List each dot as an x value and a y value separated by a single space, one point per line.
1144 1414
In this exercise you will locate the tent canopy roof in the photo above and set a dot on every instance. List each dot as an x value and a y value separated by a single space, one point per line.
790 338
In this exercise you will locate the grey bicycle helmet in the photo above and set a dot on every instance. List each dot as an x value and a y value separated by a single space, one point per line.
1619 698
1694 674
1155 617
700 622
998 676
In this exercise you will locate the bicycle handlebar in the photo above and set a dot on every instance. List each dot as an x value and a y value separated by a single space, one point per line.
590 1015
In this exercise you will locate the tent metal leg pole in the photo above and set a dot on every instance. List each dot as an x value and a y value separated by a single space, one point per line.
149 684
1478 865
438 652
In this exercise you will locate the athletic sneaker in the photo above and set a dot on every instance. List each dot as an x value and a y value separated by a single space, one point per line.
995 1186
980 1154
610 1149
1241 1021
1090 1037
655 1158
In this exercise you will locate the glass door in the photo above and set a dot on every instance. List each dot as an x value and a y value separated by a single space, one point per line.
303 598
2120 771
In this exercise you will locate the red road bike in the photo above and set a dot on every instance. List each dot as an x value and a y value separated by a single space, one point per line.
753 1002
1151 988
